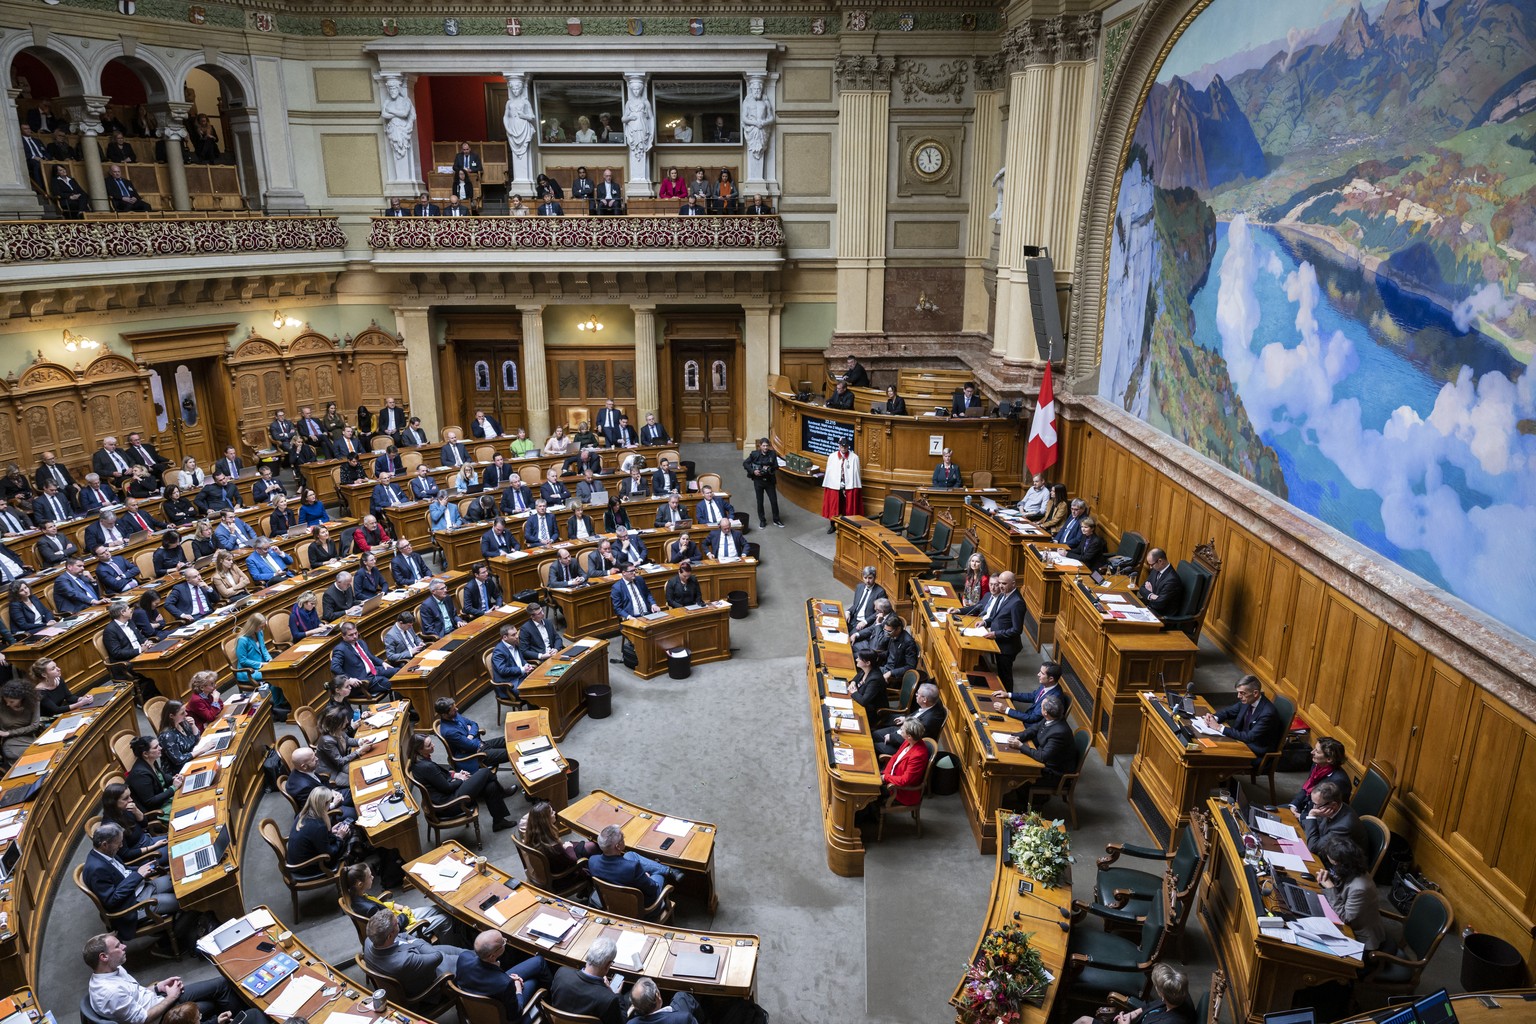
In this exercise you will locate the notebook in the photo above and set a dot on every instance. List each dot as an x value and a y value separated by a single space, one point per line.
262 980
694 964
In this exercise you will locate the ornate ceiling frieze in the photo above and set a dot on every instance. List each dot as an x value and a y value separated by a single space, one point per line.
864 72
1066 37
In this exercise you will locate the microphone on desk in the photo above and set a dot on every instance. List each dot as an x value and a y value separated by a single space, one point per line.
1019 915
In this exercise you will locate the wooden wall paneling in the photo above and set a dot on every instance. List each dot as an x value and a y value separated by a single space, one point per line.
314 378
1428 776
375 365
51 407
1397 708
1488 823
1347 669
801 366
1296 672
1272 627
259 378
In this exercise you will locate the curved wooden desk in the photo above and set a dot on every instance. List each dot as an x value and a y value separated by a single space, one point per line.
847 770
72 646
1170 778
454 665
1039 912
518 903
559 685
526 732
229 804
75 764
1002 539
704 631
389 724
588 609
895 452
693 853
897 561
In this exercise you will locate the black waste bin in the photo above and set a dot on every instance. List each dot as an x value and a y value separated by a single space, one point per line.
1489 964
944 779
679 663
599 701
572 779
739 606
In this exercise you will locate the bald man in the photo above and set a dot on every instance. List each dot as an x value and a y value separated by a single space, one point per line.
1003 619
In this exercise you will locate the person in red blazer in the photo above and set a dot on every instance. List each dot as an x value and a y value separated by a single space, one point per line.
907 765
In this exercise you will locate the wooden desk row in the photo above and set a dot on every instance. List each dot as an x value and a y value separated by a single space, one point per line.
963 503
588 609
847 770
1172 774
897 561
1002 539
694 856
75 763
520 727
227 805
388 725
517 904
454 665
705 631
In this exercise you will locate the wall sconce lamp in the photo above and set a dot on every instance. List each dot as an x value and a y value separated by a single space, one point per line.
78 342
590 324
925 304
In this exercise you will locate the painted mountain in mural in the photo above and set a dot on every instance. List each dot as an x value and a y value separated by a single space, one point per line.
1322 275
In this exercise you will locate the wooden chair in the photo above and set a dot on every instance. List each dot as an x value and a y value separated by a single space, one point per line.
474 762
711 480
409 460
308 722
575 416
1377 836
673 456
1424 926
442 432
145 560
893 806
1066 786
359 921
485 452
503 704
286 745
557 1016
981 478
1266 765
121 747
330 870
154 924
474 1008
1101 962
570 882
1375 789
431 1003
630 902
379 443
460 812
282 787
154 710
143 858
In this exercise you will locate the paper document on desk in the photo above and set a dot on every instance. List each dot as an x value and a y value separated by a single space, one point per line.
375 771
670 826
833 636
844 723
1286 862
977 631
295 994
379 719
1278 829
631 946
1113 598
1130 614
1003 738
838 703
193 818
550 926
10 832
443 876
373 737
1205 730
348 1018
842 755
830 622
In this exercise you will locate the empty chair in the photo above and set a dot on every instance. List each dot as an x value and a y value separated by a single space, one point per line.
892 512
298 877
1375 789
1285 709
918 522
1427 921
630 902
1127 559
1377 836
1099 962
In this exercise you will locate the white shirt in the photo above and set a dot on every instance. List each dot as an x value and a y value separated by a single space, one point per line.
119 997
1035 500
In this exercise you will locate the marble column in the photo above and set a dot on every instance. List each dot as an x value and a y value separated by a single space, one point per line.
647 389
87 115
981 230
173 130
16 194
535 374
414 324
863 116
760 345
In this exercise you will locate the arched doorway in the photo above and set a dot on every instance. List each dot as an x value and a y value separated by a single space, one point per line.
49 85
222 170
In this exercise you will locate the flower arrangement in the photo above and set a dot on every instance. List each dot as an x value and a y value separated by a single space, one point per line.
1041 849
1006 974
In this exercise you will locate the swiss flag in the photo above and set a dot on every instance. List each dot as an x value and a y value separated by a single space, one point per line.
1041 453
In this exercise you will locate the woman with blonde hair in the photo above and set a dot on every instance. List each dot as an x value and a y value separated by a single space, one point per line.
228 578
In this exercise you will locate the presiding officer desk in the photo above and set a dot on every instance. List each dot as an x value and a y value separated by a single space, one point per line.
1111 648
692 851
962 502
454 665
705 631
389 823
1173 774
1263 969
847 770
897 561
466 893
896 453
71 762
226 805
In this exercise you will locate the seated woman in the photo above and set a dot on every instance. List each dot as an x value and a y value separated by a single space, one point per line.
206 704
683 590
150 781
282 518
322 549
615 517
20 719
1056 510
28 614
444 788
204 544
868 684
179 737
357 880
142 485
311 512
895 405
541 830
169 557
177 509
684 549
1327 765
251 654
558 443
521 446
1351 891
228 578
304 618
336 748
190 477
1172 1005
341 688
314 836
117 806
53 693
146 618
370 534
673 186
906 766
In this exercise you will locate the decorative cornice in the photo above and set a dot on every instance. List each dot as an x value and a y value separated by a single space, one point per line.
866 72
1040 41
614 235
916 85
989 72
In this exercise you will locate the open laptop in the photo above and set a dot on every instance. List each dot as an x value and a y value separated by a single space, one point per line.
975 412
199 780
1305 1015
202 859
20 794
1302 901
1436 1008
598 497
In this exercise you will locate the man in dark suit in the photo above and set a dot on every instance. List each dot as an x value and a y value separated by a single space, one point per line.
601 561
586 991
1003 620
50 470
41 118
339 598
439 612
549 206
425 207
628 548
218 495
136 520
414 436
1049 678
498 540
712 508
645 1003
929 711
1331 816
454 208
394 209
966 399
467 161
608 198
624 435
35 153
631 597
191 599
110 464
391 419
485 427
508 666
351 657
115 572
76 590
1162 591
618 866
652 432
306 776
408 567
52 506
230 463
480 971
481 593
53 547
1072 529
14 520
539 639
861 610
901 651
726 541
140 453
516 496
855 374
118 886
453 452
94 494
542 527
1050 742
68 193
608 420
672 515
107 531
1253 719
122 195
694 207
386 494
758 206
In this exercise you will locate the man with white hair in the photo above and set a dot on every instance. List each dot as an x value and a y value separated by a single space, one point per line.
645 1003
586 991
619 866
480 971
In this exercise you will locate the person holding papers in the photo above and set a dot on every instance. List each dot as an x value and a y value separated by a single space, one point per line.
1351 891
631 598
464 736
447 789
682 591
618 866
480 971
539 639
498 540
1253 719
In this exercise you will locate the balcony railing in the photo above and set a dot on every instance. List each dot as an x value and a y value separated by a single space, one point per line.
550 234
31 242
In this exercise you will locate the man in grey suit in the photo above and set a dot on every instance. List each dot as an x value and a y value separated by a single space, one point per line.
861 610
929 711
412 961
401 641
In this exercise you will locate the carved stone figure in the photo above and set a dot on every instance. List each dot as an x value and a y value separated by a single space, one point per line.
399 116
757 118
997 183
521 126
639 130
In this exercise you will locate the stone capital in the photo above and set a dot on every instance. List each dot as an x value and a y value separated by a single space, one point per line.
1045 41
88 113
989 72
865 72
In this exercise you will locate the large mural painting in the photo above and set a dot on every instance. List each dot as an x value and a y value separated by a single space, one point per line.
1323 273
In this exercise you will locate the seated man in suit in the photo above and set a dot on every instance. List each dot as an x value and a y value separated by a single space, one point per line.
464 736
652 432
485 427
552 490
76 590
1050 742
860 610
872 636
110 463
602 561
385 495
1072 529
608 199
268 562
408 567
191 599
624 435
646 1005
929 711
53 547
351 657
13 519
120 639
306 777
566 572
369 579
115 572
218 495
453 452
712 508
694 207
508 666
516 496
411 960
118 886
1089 548
233 532
52 506
401 641
231 465
1331 816
841 397
136 520
481 593
587 486
267 487
94 494
105 533
664 479
1162 591
628 547
901 652
587 457
439 612
425 207
725 541
498 540
340 598
1253 719
586 991
619 866
634 487
672 515
539 639
423 484
11 566
1049 678
481 972
443 514
123 196
542 527
965 400
496 474
631 598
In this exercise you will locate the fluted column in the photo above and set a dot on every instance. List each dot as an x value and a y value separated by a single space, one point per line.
987 157
173 130
647 392
535 373
863 113
414 324
87 116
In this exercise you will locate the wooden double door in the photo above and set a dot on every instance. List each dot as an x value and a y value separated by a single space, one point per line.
707 396
491 380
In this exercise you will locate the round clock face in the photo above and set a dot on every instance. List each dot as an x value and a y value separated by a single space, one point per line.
929 160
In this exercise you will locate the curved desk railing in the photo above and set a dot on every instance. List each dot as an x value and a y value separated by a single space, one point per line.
375 778
692 846
559 685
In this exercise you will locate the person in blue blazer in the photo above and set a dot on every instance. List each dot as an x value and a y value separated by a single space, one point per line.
1253 719
465 737
1049 678
423 484
234 532
386 494
443 513
75 590
115 572
28 614
542 527
1004 623
479 971
619 866
629 548
268 563
369 579
508 666
1072 529
631 598
946 474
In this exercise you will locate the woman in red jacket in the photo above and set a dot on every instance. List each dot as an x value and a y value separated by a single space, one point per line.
906 766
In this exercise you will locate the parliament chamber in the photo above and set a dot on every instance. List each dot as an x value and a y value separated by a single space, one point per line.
1115 413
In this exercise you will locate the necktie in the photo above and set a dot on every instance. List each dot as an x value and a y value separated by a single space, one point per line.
140 520
517 500
727 547
986 616
485 601
543 531
143 454
272 561
199 605
1242 717
634 600
11 524
35 150
58 508
117 460
367 661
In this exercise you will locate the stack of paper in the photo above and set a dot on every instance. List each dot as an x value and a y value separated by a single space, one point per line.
631 945
839 704
539 766
1286 862
833 636
296 992
550 928
842 755
674 827
975 631
1278 829
444 876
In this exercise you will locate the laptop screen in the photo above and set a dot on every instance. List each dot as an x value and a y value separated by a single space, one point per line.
1403 1016
1305 1015
1435 1009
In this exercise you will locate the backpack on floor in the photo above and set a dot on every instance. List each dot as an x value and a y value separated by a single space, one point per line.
627 652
